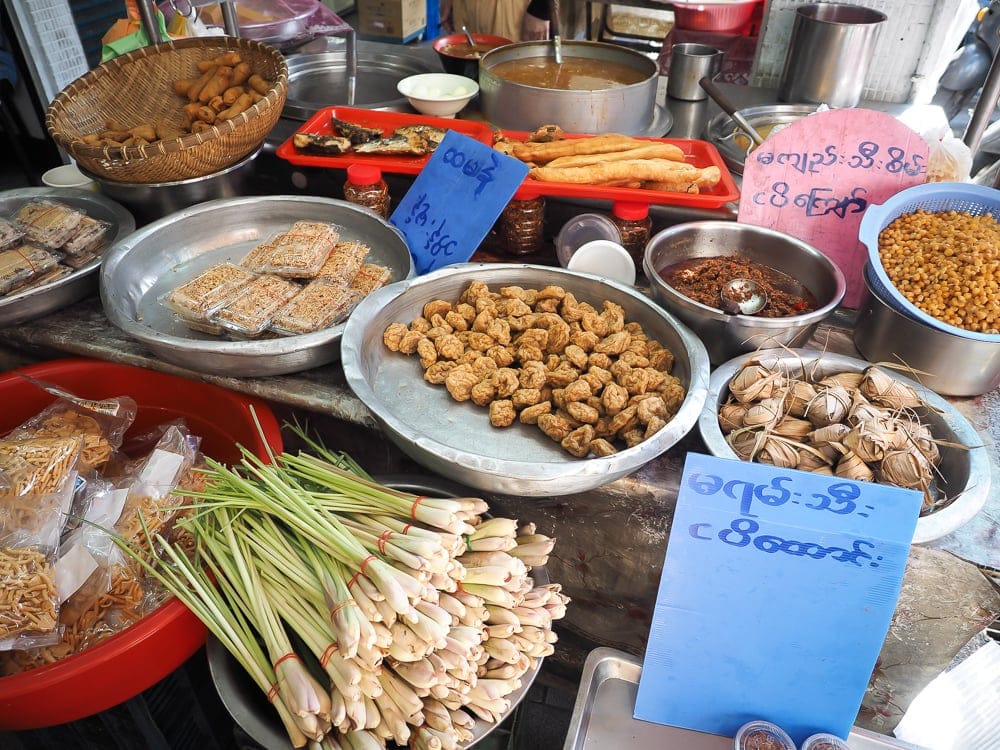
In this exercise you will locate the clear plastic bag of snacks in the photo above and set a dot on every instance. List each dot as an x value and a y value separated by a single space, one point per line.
320 304
10 234
88 239
297 253
39 477
49 223
370 277
344 262
250 312
198 298
19 265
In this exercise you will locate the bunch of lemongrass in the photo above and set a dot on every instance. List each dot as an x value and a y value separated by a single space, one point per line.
418 613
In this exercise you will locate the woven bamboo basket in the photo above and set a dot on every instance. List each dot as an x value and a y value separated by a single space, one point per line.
138 88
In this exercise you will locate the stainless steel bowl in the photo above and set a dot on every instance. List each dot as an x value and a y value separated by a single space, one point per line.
455 439
138 271
725 335
949 364
42 300
723 132
150 201
516 106
965 462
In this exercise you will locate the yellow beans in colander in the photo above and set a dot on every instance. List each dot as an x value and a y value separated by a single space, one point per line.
948 265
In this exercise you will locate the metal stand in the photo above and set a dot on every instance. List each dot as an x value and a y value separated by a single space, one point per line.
147 16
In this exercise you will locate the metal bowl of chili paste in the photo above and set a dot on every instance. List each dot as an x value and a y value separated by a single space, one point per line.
802 278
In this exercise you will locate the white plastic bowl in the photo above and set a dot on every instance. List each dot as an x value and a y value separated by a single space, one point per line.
438 94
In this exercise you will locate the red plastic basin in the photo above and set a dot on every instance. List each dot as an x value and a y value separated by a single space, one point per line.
714 16
125 664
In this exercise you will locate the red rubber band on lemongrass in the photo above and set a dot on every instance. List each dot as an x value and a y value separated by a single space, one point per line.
286 657
272 692
413 508
340 605
383 538
406 529
364 563
354 579
327 654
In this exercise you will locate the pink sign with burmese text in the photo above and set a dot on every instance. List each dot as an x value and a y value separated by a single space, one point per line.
814 179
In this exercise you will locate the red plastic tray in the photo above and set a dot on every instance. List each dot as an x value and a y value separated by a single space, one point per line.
320 124
123 665
698 153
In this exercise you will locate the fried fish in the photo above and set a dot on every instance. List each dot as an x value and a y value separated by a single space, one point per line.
397 145
432 135
327 145
356 133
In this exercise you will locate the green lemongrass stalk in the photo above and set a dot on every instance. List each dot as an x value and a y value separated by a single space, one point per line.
420 674
497 615
343 612
436 716
304 696
401 693
192 586
436 612
393 723
428 738
451 605
373 717
362 740
493 557
492 594
376 544
351 492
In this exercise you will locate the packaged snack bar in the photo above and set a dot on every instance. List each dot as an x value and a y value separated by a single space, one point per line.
250 312
320 304
297 253
198 298
22 264
48 223
344 262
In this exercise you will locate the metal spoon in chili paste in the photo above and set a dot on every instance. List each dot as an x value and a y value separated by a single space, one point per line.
742 296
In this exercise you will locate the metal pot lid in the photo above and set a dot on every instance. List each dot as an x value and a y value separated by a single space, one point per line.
320 80
722 131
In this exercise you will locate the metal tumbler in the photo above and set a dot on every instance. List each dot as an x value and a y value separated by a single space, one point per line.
829 53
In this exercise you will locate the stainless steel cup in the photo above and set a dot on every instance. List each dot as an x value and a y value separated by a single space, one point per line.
689 63
829 53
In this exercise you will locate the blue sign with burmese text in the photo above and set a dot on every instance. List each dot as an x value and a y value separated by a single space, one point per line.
777 591
455 200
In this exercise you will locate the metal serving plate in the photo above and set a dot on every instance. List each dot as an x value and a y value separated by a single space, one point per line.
34 303
317 80
723 132
249 706
964 473
602 714
455 439
138 271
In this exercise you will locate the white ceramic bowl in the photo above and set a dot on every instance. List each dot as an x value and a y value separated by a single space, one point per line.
604 258
438 94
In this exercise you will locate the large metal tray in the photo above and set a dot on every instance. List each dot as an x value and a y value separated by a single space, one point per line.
602 714
455 439
34 303
138 271
723 132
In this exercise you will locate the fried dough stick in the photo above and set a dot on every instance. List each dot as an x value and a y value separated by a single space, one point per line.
653 170
646 151
598 144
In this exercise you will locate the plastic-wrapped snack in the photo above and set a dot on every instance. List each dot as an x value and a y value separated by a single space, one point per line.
88 238
10 234
198 298
29 603
59 271
249 313
297 253
370 277
22 264
39 466
48 223
320 304
344 262
74 262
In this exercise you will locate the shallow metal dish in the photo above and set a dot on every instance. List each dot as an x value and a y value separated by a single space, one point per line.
248 705
152 261
455 439
964 471
723 132
317 80
34 303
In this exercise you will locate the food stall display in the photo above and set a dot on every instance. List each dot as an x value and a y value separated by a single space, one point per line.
376 615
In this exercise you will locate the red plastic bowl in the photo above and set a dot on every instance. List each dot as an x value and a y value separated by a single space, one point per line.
722 17
125 664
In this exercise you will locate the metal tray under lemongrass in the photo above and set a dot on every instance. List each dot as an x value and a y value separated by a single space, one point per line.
42 300
455 439
249 706
964 472
602 714
138 271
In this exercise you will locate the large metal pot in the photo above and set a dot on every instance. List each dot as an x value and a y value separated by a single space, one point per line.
514 106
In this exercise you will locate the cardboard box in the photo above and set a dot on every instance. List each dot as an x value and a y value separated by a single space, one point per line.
396 20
